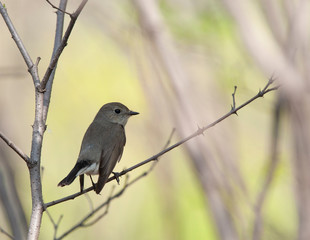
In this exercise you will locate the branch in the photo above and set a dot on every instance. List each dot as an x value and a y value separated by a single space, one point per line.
63 44
11 202
32 68
15 148
58 8
169 139
274 160
106 204
55 225
6 233
233 106
57 42
83 223
200 131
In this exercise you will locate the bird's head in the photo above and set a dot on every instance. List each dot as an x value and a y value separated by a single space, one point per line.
115 112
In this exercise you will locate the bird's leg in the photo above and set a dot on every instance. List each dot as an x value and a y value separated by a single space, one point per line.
81 182
116 175
94 185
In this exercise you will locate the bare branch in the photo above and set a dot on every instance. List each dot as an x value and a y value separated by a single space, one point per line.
6 233
63 44
169 139
106 210
31 67
57 42
10 199
274 160
58 9
90 202
15 148
55 225
83 223
233 106
200 131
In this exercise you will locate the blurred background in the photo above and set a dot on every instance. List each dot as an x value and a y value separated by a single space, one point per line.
176 62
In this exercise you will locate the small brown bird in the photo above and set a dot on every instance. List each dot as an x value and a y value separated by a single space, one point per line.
102 145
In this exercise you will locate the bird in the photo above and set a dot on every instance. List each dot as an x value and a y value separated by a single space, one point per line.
102 146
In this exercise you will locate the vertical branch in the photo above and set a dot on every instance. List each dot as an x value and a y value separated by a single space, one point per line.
9 209
10 199
299 112
258 221
58 38
34 169
276 18
42 104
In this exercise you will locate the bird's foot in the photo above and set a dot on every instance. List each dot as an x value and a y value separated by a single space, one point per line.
116 175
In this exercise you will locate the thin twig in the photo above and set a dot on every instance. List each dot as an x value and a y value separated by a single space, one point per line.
31 67
15 148
38 61
58 9
90 202
82 223
57 42
106 210
169 139
233 106
200 131
55 225
6 233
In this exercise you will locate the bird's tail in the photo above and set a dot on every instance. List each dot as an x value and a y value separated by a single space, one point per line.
72 175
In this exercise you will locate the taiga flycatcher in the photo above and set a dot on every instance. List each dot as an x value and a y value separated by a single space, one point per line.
102 145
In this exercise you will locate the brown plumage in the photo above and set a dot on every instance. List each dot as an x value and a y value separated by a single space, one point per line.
102 145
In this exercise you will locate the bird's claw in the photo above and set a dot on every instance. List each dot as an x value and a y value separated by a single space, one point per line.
116 175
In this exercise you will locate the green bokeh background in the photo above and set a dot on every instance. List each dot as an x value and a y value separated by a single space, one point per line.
93 70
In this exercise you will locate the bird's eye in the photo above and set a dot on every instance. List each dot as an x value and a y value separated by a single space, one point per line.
117 111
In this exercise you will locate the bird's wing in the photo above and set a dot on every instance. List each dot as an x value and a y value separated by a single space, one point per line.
92 142
112 151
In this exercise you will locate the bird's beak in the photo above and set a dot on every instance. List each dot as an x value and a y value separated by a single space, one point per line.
131 113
